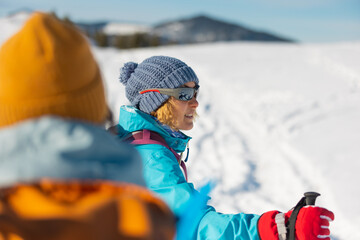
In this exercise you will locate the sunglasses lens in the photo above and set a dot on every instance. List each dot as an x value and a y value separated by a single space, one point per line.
186 94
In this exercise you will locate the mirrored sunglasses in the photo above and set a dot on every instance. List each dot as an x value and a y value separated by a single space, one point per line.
182 94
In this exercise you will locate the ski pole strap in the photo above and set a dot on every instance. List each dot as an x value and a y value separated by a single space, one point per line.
293 216
149 137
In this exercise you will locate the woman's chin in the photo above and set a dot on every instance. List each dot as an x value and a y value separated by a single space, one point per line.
187 126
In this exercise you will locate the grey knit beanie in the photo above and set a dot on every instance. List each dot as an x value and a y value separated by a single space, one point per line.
154 72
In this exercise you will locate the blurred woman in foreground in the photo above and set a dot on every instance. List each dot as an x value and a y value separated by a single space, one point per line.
62 176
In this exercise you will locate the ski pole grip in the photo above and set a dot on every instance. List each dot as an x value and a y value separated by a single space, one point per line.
310 197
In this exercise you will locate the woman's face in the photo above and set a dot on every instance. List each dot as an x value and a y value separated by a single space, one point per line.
184 111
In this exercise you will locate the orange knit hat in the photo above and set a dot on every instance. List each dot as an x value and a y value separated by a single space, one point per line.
48 68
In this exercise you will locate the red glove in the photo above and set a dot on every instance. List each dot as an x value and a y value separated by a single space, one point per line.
312 223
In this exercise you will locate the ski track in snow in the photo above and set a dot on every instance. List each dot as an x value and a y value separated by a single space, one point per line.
276 120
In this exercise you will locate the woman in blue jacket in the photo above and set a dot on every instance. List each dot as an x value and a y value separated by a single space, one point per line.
163 91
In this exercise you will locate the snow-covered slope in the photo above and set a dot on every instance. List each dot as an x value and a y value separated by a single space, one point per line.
276 120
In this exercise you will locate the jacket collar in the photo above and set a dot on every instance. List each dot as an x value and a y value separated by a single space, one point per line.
132 119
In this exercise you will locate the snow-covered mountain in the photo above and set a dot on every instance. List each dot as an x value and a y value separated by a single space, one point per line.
276 120
199 29
202 29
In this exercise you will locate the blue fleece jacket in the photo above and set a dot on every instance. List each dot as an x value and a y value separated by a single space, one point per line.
56 148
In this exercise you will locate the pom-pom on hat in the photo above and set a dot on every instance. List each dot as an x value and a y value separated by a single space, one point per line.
154 72
47 68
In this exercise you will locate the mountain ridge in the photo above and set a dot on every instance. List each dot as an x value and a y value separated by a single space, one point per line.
203 28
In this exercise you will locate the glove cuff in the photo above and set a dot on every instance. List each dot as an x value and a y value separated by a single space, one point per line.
281 225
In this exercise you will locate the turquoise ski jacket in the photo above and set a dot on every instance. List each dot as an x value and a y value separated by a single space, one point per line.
163 175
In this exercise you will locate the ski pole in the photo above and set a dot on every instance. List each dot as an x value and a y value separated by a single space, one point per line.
308 199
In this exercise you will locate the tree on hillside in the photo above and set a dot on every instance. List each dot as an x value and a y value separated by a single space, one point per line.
101 39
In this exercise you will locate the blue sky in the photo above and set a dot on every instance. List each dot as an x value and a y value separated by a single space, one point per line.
303 20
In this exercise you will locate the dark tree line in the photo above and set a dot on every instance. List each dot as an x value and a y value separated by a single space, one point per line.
136 40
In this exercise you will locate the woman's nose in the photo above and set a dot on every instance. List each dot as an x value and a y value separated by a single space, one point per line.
193 102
